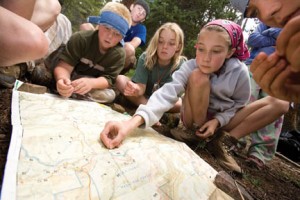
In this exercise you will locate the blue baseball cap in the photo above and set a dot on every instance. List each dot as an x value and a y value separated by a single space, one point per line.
112 20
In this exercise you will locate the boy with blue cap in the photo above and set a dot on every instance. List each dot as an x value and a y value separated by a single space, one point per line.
91 60
135 36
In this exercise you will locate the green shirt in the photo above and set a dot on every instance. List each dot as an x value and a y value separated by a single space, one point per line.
82 52
158 75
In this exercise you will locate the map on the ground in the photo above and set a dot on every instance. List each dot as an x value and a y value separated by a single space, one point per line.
55 153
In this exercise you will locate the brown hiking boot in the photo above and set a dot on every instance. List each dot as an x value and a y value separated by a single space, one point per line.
41 75
9 74
7 81
216 147
184 135
170 119
13 71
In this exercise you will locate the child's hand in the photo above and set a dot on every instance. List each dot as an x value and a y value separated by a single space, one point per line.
131 89
64 87
82 85
207 129
115 132
288 43
112 134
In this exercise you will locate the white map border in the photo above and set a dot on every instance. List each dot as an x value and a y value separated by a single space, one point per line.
11 167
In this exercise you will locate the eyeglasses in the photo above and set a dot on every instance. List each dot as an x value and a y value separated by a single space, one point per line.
141 10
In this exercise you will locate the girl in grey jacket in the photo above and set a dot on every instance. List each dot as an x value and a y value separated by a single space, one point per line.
215 85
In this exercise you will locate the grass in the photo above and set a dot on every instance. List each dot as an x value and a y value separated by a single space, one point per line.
254 181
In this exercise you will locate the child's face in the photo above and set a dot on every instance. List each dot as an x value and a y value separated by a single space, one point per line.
211 51
274 13
108 37
167 46
138 13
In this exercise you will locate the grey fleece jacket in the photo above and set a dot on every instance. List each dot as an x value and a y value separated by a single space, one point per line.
230 91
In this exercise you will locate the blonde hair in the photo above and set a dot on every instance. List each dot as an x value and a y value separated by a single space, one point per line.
218 29
151 51
119 9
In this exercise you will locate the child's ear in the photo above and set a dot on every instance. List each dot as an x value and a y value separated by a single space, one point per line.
131 7
230 53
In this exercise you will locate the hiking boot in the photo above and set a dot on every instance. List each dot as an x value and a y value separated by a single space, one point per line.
102 96
13 71
254 162
170 119
7 81
236 146
9 74
41 75
184 135
216 147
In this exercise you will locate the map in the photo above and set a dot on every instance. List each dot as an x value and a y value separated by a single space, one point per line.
55 153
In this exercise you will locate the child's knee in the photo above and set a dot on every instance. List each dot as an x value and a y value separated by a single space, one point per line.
198 79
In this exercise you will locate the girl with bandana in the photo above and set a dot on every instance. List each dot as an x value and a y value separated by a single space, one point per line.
216 85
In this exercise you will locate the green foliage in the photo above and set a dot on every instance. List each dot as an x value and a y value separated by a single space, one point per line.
190 15
78 10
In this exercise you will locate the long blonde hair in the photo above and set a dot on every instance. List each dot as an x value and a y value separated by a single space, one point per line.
151 51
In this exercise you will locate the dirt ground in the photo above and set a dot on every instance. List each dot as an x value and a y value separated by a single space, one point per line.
279 180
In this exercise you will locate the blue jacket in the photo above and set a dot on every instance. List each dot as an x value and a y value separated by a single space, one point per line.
138 30
263 39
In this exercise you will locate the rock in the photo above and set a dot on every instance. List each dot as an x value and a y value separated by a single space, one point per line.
226 183
32 88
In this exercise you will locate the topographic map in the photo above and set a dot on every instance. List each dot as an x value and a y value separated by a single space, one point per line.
55 153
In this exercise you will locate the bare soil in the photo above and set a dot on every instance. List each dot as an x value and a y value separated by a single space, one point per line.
279 180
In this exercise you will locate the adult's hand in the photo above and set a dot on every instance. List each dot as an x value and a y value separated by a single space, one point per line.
273 74
288 43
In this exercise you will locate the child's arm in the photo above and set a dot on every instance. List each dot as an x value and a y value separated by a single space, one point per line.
288 43
134 89
135 42
85 84
62 74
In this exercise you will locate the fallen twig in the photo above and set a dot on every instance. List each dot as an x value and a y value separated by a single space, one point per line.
239 190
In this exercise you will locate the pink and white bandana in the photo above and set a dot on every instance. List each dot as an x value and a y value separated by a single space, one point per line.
236 34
